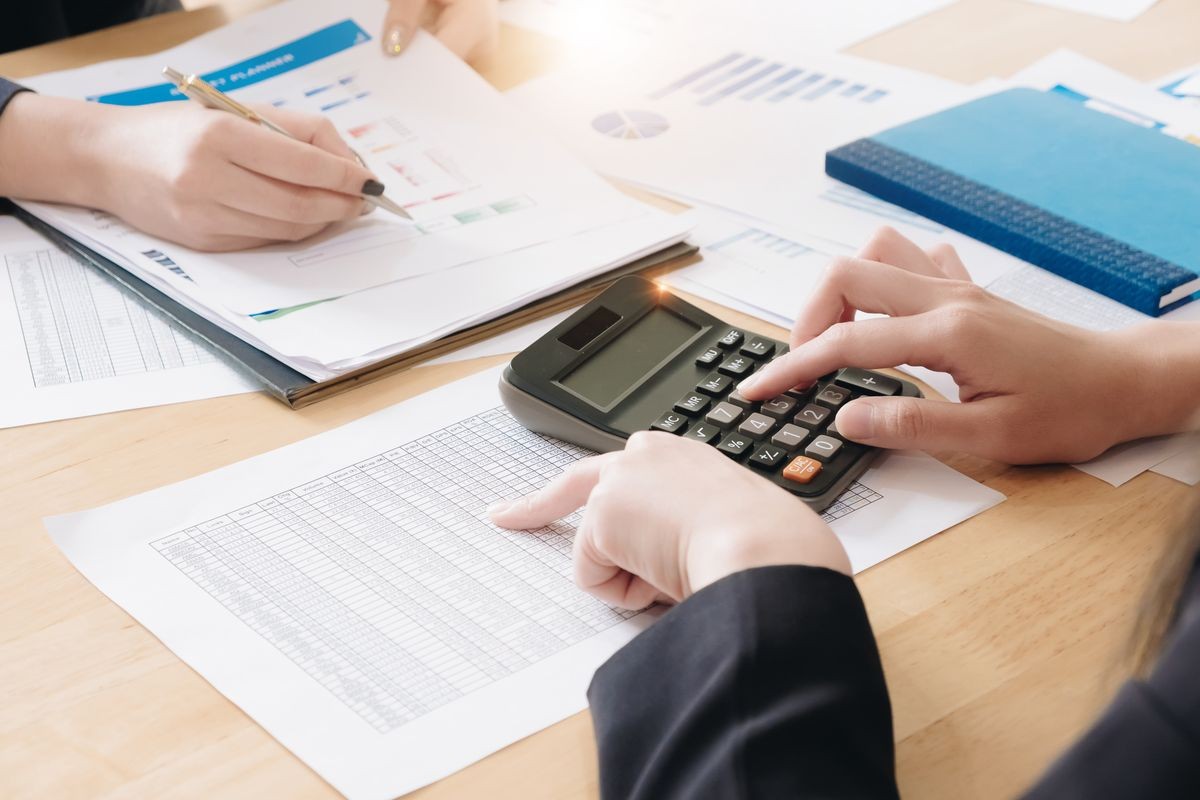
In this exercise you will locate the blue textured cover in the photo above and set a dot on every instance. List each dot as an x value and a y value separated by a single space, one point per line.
1088 196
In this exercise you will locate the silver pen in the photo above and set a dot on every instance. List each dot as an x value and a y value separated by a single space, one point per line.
196 88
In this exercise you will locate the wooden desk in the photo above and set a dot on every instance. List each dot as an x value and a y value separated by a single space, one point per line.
1000 637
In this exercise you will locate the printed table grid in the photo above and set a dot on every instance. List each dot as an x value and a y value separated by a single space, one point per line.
384 582
78 325
857 496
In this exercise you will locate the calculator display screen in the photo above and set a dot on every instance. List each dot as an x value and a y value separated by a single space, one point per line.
627 360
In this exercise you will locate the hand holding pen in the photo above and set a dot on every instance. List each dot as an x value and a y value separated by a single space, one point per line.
196 88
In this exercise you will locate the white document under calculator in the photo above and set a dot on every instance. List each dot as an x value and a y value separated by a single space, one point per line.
348 593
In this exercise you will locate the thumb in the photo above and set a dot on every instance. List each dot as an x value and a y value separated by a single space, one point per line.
400 24
913 423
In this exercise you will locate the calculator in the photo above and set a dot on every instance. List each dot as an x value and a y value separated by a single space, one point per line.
639 358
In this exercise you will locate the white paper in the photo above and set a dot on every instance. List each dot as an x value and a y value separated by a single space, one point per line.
1125 462
1184 466
743 125
478 178
1119 10
754 267
1107 90
608 26
512 341
348 593
1182 86
73 343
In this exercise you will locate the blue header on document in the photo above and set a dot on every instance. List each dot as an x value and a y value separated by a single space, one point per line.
293 55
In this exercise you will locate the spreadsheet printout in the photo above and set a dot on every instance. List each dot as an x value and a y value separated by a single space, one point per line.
349 593
74 343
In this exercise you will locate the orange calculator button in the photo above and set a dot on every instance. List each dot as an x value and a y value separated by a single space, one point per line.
802 469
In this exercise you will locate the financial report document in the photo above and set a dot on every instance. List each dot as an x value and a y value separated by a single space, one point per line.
477 178
349 593
74 343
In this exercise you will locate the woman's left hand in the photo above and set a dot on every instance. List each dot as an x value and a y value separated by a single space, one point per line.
666 516
470 28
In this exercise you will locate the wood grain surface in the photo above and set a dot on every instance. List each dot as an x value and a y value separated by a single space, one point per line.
1001 637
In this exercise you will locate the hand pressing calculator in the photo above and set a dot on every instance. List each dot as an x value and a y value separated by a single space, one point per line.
638 358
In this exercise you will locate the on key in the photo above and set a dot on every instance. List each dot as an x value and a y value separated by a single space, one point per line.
869 382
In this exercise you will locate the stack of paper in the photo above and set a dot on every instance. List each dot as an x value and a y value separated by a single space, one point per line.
74 343
502 215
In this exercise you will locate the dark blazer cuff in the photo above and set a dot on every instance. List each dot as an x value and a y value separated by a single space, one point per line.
766 683
9 90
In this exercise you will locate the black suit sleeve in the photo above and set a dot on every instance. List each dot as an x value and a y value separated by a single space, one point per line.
1147 742
8 90
764 684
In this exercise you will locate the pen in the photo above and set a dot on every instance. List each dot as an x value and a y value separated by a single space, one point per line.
196 88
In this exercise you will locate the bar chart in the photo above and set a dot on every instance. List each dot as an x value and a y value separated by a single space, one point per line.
738 76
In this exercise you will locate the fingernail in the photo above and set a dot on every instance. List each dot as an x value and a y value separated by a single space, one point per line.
499 508
749 383
857 421
373 188
393 40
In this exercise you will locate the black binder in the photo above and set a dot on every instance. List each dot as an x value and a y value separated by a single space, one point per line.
298 390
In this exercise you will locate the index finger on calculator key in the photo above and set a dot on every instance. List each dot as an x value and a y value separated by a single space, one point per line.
852 283
868 344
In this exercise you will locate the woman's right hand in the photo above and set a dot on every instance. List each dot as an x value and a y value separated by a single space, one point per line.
214 181
1032 389
666 517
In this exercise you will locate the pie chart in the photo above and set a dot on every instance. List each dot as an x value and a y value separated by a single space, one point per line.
631 124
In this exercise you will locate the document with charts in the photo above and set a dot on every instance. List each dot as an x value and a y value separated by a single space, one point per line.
477 177
742 123
350 595
73 343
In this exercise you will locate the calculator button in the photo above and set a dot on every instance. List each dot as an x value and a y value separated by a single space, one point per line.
724 415
823 447
802 470
738 366
756 426
768 456
732 338
758 347
831 428
703 432
715 384
709 357
869 382
736 398
789 437
832 396
734 445
692 404
811 416
669 422
780 407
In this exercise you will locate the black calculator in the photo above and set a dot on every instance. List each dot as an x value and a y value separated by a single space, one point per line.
639 358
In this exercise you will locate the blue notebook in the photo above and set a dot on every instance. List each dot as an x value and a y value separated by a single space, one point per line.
1096 199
